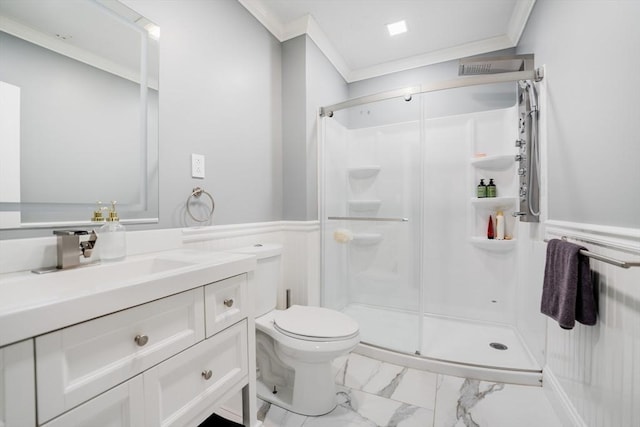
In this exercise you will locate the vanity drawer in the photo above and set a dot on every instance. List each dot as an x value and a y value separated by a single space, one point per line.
76 363
121 406
190 383
225 302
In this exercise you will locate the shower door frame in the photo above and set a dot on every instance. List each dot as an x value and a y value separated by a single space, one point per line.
535 75
532 75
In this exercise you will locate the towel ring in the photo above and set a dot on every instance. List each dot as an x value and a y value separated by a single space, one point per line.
197 192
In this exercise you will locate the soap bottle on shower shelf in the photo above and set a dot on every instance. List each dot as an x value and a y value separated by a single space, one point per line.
112 238
481 190
490 233
499 226
491 189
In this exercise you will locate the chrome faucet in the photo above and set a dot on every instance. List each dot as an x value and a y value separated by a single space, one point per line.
70 248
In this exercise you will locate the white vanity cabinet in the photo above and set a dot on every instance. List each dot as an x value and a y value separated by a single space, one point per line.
148 365
226 302
179 391
17 385
120 406
76 363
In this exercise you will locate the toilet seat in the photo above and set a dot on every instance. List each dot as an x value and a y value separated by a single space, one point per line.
315 324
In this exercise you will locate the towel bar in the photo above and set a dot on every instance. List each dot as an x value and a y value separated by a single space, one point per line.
609 260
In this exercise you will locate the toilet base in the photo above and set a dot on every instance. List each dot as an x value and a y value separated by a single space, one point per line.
283 399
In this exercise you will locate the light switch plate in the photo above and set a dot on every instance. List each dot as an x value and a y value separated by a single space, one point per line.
197 166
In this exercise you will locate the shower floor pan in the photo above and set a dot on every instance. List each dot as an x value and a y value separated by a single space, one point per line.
450 346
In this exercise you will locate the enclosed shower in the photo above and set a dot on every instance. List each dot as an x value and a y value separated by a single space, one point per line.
405 250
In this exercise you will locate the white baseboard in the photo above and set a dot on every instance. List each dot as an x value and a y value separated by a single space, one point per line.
560 401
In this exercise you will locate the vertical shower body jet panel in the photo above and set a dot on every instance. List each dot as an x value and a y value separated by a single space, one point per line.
528 157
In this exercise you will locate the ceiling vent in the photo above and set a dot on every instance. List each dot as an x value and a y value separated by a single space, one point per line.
475 65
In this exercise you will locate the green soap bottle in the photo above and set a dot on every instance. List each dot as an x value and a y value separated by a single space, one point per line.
481 191
491 189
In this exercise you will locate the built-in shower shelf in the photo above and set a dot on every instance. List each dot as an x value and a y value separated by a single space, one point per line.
493 244
364 172
495 203
366 239
497 162
364 205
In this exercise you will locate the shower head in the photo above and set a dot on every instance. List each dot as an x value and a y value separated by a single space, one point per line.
475 65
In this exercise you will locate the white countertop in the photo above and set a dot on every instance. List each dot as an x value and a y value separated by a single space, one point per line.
32 304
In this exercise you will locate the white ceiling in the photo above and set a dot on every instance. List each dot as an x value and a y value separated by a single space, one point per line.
353 33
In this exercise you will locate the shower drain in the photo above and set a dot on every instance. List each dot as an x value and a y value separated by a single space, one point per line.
498 346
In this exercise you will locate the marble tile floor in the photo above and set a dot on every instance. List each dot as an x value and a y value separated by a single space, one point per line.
373 393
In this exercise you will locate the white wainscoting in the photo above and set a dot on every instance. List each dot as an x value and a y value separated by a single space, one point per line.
300 256
593 372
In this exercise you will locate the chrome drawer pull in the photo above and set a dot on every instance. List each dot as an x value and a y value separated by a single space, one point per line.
228 302
207 374
141 340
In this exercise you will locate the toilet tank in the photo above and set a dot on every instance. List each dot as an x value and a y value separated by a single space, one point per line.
266 275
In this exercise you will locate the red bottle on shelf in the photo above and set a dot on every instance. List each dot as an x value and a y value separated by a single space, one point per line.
490 234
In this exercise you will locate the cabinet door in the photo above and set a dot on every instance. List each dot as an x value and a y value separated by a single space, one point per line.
17 385
122 406
225 303
79 362
187 387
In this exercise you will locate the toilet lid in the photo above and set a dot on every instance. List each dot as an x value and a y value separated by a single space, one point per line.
315 323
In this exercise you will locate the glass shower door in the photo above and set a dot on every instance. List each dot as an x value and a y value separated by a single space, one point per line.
371 219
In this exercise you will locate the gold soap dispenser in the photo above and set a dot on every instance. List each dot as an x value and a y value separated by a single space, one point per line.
97 214
112 237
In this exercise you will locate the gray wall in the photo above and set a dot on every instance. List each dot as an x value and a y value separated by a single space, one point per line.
325 86
220 96
309 82
294 134
590 50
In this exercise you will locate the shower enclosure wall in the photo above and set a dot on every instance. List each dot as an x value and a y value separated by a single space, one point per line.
404 236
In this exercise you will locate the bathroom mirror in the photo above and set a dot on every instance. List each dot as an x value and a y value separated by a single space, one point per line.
79 82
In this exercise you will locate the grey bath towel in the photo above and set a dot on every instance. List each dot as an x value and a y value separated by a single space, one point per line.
567 293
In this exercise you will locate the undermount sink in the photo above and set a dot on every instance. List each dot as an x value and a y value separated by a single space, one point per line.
65 297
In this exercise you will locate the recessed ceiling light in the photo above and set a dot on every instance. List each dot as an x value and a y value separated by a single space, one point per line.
397 28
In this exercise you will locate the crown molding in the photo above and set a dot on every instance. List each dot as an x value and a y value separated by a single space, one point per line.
267 19
308 25
319 37
519 20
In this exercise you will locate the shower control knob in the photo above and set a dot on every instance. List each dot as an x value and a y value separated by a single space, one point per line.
520 143
522 171
520 157
517 214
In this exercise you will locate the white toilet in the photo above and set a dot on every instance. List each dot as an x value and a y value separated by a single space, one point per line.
295 347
